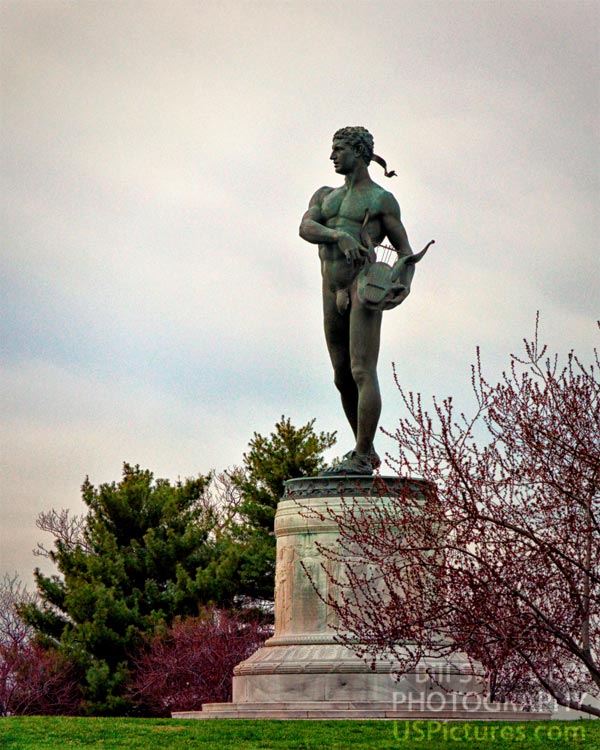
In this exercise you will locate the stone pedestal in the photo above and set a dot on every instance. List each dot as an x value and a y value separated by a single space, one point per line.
301 672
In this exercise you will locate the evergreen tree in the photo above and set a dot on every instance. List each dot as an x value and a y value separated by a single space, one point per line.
137 564
288 453
148 551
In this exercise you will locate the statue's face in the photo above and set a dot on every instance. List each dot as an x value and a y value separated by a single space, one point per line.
344 157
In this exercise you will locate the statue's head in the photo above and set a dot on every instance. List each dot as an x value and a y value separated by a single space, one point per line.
359 139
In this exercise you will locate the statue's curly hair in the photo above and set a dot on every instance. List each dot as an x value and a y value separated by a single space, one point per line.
359 138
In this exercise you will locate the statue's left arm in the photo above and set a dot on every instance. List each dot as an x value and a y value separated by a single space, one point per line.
393 226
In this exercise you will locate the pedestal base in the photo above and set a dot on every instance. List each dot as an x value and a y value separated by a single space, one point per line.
328 681
330 672
302 673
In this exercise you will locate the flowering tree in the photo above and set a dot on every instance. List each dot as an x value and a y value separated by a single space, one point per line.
498 555
33 679
14 637
192 662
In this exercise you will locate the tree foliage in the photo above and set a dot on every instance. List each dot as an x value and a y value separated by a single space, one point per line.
502 561
137 562
33 679
288 452
192 662
148 551
15 636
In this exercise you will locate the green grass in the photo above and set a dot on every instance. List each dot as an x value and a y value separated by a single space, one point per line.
61 733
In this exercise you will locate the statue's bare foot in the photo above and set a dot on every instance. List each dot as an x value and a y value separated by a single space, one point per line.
354 463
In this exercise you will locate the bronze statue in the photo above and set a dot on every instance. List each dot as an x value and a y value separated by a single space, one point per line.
347 223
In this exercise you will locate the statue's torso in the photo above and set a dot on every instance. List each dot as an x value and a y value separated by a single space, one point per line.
345 210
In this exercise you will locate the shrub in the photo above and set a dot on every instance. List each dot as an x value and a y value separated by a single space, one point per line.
192 662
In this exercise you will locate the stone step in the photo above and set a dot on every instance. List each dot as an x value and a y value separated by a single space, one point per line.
349 710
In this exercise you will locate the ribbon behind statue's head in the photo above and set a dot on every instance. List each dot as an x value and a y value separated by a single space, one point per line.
382 163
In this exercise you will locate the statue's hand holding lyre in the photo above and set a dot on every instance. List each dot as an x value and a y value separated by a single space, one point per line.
353 250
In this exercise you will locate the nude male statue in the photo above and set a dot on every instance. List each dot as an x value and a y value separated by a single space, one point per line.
334 221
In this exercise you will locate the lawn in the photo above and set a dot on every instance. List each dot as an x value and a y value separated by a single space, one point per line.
60 733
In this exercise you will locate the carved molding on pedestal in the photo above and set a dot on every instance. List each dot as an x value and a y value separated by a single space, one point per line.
351 486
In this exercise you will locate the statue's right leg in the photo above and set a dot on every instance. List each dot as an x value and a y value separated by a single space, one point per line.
365 332
337 336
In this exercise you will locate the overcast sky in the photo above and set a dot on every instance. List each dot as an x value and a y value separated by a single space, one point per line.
158 306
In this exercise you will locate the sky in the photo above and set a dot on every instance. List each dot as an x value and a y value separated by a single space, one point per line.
158 305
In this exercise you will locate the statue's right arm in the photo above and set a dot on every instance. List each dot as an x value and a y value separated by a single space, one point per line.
312 227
